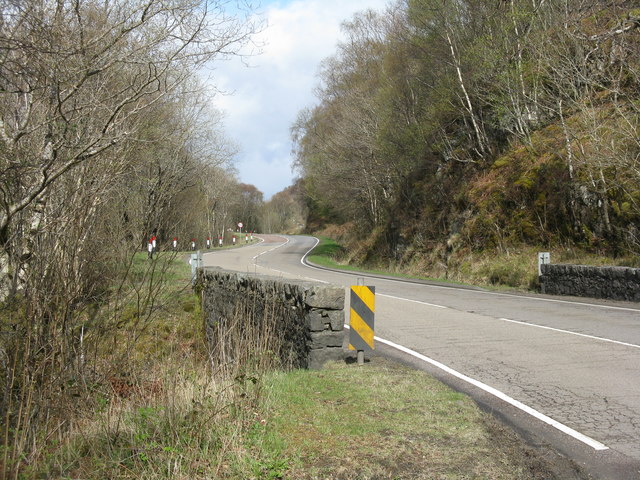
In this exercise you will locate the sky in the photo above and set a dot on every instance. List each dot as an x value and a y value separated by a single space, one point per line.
266 92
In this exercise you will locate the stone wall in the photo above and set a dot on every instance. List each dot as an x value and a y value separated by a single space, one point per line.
308 316
616 283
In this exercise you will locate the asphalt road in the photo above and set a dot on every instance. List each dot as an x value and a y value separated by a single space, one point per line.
563 371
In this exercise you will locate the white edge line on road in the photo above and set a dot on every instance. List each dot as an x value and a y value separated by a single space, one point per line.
304 257
559 330
255 260
482 386
498 394
551 300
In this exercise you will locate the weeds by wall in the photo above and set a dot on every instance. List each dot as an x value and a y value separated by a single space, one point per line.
303 321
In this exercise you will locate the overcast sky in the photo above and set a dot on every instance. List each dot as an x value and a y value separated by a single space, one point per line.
277 84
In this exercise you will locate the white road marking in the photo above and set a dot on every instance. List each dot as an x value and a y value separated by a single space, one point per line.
537 299
304 257
596 445
270 250
569 332
498 394
255 262
592 337
553 300
412 301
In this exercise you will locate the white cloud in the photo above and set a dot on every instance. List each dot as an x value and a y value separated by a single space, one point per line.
268 94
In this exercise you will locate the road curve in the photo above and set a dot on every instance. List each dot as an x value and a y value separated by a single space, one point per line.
562 371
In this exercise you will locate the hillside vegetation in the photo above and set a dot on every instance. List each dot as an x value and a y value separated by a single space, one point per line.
447 131
106 140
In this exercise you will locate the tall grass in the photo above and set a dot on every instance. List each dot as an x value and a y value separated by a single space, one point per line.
143 395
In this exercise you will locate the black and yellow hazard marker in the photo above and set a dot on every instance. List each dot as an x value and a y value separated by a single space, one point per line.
363 300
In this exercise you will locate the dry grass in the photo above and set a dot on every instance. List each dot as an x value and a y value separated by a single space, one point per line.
386 421
181 409
512 268
145 397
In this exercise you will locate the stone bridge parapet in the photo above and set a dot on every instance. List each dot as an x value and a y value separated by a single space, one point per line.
308 316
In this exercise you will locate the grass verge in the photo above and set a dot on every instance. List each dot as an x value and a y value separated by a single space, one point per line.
329 253
382 421
170 410
515 269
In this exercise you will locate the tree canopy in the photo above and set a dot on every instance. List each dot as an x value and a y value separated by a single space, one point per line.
486 121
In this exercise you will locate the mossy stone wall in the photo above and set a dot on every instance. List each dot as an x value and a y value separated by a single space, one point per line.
309 315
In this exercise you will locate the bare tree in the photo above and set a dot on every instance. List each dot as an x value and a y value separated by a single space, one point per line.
86 89
75 78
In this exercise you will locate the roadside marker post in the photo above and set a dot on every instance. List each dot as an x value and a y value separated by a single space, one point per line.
195 261
361 320
543 258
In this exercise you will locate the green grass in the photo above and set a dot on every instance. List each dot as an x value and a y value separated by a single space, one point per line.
512 270
175 414
328 253
381 421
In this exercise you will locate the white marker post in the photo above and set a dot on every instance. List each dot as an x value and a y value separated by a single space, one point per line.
196 262
220 241
543 259
175 244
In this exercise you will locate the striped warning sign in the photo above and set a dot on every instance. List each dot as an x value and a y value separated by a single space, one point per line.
362 316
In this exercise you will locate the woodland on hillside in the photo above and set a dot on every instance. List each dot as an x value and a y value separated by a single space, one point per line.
450 125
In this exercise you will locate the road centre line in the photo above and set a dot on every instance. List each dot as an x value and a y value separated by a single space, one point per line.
255 262
570 302
592 337
270 250
559 330
500 395
412 301
598 446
